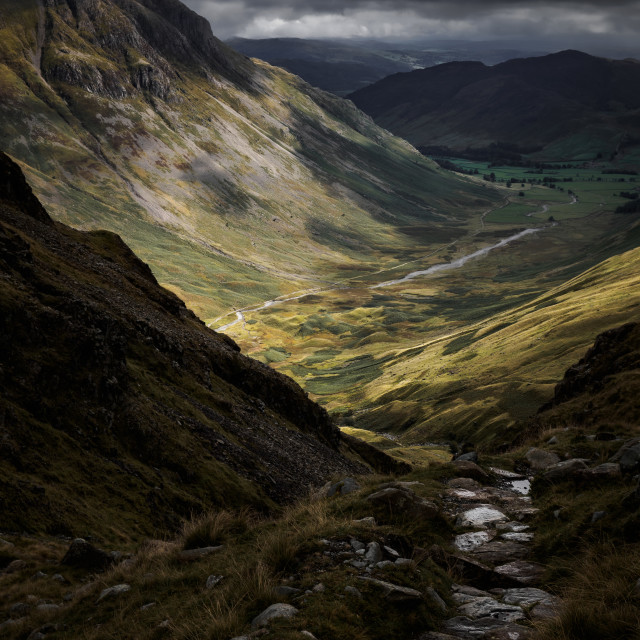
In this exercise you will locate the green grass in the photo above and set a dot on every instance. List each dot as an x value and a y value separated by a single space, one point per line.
258 555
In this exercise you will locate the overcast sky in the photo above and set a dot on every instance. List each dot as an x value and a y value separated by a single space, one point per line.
617 21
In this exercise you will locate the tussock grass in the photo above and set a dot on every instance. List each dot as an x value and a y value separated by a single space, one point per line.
258 555
212 529
601 600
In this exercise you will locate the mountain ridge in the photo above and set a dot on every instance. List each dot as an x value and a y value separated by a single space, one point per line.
183 161
543 101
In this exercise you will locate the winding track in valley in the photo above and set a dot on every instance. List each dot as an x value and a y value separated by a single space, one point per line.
455 264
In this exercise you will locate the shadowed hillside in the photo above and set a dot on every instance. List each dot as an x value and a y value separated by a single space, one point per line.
121 412
563 106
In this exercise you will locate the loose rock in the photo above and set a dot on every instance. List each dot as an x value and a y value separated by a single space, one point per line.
540 459
111 592
480 516
278 610
394 592
565 470
526 573
213 581
84 555
374 553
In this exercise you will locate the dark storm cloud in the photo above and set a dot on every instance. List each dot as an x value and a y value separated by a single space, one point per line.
477 19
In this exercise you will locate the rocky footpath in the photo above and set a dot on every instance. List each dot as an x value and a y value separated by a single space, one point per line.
499 595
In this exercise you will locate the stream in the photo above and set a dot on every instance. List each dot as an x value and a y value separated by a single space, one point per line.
444 266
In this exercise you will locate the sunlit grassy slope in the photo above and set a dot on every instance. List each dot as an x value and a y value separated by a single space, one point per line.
467 353
234 180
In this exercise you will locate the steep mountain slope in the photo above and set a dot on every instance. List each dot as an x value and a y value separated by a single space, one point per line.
120 411
570 104
234 180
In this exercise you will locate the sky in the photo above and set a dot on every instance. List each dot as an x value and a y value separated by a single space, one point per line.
567 22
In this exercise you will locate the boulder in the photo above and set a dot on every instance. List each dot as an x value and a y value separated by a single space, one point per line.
565 470
519 571
527 596
629 459
278 610
480 516
393 592
468 469
84 555
469 541
111 592
373 553
491 608
400 501
342 487
540 459
608 470
500 552
471 456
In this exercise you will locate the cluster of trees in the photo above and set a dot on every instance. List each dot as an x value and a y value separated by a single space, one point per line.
633 206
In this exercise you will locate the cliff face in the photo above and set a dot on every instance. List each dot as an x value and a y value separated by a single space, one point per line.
118 405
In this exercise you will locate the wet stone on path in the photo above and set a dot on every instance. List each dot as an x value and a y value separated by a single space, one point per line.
497 539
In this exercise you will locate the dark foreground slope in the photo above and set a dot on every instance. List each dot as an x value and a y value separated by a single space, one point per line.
570 104
119 411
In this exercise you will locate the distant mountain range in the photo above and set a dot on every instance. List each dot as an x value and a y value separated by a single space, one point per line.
563 106
345 65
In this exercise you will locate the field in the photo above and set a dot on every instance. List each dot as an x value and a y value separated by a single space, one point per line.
465 351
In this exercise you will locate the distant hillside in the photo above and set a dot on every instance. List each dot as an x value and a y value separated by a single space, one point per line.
334 66
121 413
342 66
567 105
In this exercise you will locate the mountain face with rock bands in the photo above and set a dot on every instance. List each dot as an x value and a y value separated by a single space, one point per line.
120 412
564 106
236 181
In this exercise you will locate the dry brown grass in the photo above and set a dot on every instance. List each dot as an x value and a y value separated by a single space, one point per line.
601 601
215 528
